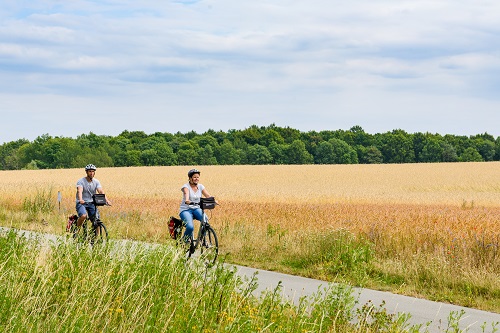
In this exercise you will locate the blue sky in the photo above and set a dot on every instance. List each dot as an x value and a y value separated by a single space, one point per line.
73 67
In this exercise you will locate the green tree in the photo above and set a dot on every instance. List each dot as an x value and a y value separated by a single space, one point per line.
344 153
9 154
251 135
206 140
449 152
335 151
166 155
269 136
396 147
156 151
497 149
187 154
206 155
486 148
277 151
288 134
324 153
133 158
257 154
98 157
432 151
68 149
360 137
471 155
93 141
419 141
296 153
35 152
460 143
135 137
226 154
373 156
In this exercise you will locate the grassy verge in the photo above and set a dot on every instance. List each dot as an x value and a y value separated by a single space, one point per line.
339 255
61 287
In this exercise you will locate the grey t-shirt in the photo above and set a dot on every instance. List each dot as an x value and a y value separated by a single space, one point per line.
193 196
89 188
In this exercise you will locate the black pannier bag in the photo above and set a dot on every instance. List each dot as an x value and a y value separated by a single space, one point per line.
99 199
207 203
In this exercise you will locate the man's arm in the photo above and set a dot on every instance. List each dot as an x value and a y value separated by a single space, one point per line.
79 189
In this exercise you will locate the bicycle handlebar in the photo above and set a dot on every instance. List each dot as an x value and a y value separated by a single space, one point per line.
197 204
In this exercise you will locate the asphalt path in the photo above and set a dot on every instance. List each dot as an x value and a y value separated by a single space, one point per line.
422 311
433 315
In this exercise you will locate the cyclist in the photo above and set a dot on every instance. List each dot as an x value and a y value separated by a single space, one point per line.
86 187
192 191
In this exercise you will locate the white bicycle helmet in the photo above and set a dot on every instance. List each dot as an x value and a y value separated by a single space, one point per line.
90 167
192 172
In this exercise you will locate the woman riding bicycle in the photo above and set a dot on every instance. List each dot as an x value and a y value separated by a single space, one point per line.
192 191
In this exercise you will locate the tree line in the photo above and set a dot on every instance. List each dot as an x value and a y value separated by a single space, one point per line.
253 145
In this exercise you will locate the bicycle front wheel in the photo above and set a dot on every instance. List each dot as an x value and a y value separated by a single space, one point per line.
209 246
100 234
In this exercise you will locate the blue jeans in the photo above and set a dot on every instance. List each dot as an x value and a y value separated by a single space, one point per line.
86 208
187 217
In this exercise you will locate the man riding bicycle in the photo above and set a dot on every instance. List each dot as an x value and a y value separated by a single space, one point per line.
86 187
192 191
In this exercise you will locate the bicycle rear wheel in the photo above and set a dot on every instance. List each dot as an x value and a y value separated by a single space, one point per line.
208 245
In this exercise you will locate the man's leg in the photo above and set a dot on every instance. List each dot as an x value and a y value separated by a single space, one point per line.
82 214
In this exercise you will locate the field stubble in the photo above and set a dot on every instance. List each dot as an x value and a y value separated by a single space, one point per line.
430 230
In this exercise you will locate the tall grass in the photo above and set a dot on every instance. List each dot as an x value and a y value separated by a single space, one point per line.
41 202
59 287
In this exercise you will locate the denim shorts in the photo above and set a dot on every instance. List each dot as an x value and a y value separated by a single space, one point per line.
86 207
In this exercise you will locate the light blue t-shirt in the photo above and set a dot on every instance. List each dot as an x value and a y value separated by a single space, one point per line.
89 188
193 196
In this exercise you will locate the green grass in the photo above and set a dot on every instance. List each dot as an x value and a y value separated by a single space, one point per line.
340 256
63 287
41 202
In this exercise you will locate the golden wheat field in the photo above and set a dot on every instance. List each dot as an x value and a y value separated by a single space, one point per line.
444 183
447 198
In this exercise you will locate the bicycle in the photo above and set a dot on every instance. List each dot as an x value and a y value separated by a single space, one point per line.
99 233
206 245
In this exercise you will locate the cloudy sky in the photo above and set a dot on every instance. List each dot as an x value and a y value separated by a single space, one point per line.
73 67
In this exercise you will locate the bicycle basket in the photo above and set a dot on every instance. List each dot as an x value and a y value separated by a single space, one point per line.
207 203
99 199
174 226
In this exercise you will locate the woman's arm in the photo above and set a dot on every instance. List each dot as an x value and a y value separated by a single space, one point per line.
185 192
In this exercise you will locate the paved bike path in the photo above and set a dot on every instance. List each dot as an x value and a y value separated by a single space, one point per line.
293 287
422 311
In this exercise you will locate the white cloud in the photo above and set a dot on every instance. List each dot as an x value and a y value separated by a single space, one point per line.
268 61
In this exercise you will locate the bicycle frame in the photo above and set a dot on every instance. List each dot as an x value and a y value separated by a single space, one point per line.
206 241
203 226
